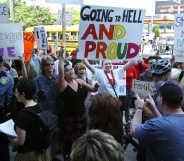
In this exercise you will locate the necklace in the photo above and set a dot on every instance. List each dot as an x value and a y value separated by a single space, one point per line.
111 81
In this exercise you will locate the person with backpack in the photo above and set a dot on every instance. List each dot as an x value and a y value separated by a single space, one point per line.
31 135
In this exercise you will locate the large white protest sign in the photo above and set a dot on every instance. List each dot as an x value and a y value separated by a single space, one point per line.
65 1
41 37
11 40
142 88
3 13
110 33
179 38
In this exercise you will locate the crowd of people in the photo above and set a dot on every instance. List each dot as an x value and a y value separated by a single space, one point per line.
90 114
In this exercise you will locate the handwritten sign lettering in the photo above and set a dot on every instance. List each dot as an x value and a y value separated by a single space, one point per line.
3 13
11 40
142 88
41 37
106 33
29 40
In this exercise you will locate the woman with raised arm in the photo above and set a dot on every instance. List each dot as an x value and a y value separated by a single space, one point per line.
73 93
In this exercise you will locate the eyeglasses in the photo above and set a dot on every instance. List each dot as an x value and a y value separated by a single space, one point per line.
50 64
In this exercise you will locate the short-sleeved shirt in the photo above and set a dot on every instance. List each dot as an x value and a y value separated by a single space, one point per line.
105 85
28 122
163 138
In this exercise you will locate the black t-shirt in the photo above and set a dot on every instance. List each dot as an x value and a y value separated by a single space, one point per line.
28 122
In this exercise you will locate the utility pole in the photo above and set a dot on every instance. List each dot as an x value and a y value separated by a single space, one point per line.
11 9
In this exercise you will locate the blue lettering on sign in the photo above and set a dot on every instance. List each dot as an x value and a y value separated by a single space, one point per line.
10 50
179 22
121 89
180 42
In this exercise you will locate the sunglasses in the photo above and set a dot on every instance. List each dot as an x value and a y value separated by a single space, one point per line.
50 64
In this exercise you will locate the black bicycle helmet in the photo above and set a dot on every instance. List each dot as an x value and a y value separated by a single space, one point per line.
161 67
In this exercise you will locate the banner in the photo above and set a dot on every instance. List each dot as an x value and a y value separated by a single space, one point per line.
41 37
178 50
29 40
142 88
11 40
65 1
110 33
4 13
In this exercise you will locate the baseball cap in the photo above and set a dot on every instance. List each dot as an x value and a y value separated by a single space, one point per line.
169 89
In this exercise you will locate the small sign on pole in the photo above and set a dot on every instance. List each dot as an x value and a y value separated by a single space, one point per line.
68 18
4 13
41 37
59 17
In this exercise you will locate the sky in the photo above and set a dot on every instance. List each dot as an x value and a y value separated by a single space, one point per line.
149 5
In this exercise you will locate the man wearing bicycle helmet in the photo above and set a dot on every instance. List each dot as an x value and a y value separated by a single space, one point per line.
161 71
162 136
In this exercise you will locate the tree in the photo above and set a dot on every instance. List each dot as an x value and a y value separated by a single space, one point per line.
156 30
32 15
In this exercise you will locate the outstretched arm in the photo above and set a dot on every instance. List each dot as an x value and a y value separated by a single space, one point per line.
89 66
128 64
137 119
62 82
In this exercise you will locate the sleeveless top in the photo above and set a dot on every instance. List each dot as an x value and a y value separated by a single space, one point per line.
74 101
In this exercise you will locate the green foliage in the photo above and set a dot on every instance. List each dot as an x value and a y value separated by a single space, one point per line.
156 30
31 15
76 15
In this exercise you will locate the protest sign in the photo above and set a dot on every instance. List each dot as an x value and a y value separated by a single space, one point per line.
65 1
41 37
3 13
68 18
29 40
11 40
59 17
110 33
142 88
178 50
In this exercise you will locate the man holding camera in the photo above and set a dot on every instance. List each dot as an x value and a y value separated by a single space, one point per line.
163 136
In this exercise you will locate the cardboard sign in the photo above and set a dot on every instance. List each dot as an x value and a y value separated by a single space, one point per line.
41 37
4 13
29 40
110 33
142 88
11 40
65 1
178 50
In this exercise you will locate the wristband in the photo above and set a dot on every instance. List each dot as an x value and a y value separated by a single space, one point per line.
139 108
